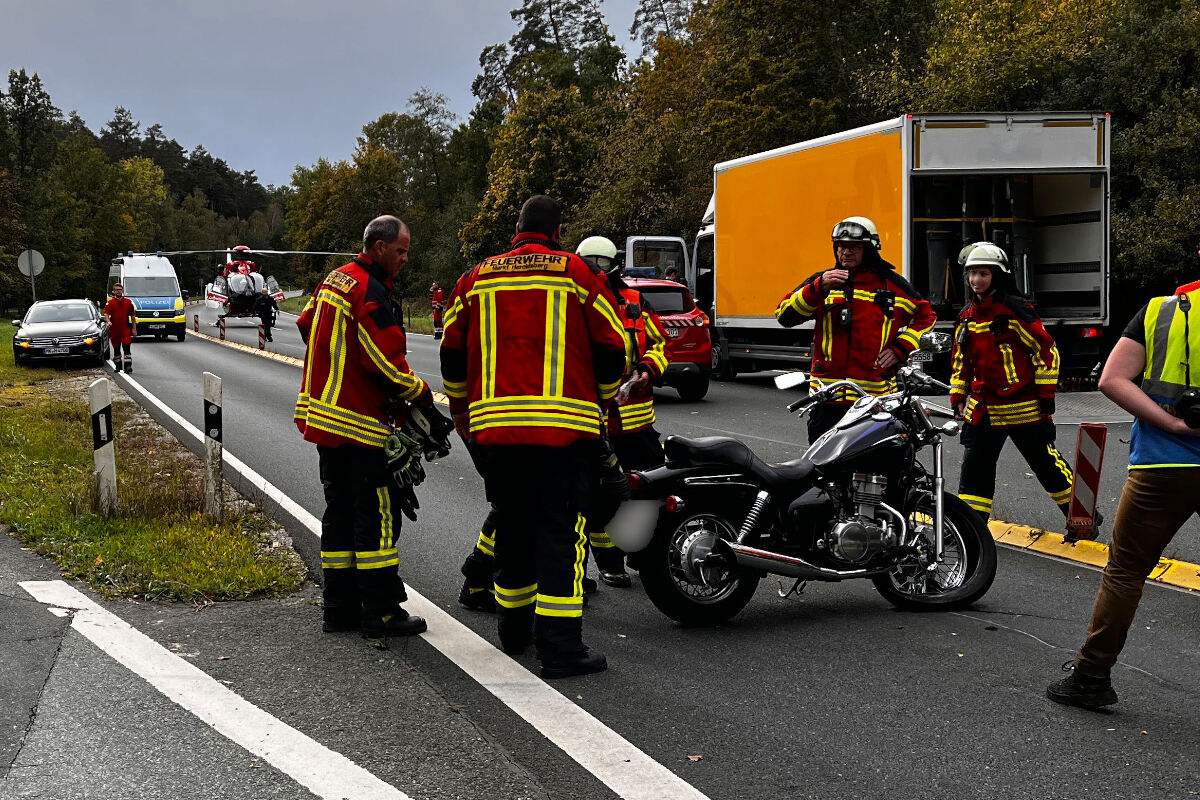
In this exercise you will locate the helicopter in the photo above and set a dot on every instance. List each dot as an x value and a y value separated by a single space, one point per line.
238 285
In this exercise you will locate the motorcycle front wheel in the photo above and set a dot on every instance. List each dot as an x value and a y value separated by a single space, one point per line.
679 581
966 571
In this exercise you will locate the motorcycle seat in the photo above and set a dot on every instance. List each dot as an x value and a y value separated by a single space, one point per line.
722 450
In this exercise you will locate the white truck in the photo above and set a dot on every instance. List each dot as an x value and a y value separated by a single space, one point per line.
1037 184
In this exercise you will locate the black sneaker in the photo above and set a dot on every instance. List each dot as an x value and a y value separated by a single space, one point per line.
476 599
399 623
584 663
1085 691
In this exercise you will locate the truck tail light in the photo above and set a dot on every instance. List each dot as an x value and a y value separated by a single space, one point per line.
1089 333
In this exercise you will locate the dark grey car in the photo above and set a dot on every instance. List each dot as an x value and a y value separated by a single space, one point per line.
61 330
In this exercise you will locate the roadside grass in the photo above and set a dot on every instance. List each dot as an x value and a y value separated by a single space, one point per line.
294 305
418 317
158 545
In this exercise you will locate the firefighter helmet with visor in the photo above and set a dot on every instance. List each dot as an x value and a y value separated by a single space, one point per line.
600 251
856 229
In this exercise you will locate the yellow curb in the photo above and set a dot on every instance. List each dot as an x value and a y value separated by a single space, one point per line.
438 397
1183 574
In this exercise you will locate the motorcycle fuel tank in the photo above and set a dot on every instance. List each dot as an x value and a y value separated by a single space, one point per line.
849 440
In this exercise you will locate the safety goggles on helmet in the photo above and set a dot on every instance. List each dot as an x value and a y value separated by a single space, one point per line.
849 230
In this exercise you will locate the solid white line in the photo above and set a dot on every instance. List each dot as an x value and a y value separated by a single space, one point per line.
615 762
322 771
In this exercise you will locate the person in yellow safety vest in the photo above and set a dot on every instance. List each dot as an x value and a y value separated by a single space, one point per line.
1163 488
631 432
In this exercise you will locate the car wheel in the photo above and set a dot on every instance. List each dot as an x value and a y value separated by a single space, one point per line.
693 389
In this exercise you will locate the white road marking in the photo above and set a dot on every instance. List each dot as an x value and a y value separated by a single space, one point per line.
322 771
611 758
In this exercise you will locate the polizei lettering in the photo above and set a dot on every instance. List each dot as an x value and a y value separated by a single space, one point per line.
529 262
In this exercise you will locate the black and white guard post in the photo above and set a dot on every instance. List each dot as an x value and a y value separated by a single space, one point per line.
214 500
103 448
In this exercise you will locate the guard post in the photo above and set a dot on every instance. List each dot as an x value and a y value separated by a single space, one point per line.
262 337
103 447
221 325
214 500
196 322
1085 486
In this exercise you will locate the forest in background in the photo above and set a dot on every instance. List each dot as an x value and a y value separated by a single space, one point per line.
629 145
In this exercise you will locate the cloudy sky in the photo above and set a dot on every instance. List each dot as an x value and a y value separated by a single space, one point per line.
263 84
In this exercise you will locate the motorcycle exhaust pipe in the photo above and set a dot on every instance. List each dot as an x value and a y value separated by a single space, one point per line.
788 566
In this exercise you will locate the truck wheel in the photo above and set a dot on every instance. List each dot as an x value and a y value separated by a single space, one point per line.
180 336
694 389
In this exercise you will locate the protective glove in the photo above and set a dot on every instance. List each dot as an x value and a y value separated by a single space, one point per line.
404 460
430 427
1046 406
407 500
613 482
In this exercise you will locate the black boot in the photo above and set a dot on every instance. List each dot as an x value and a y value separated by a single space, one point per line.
611 564
583 663
395 623
1083 690
476 598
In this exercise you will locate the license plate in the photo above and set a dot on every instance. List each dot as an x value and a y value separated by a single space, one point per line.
672 333
56 351
918 356
157 326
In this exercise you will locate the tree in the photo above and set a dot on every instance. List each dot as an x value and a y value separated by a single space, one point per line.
31 121
142 193
122 137
666 17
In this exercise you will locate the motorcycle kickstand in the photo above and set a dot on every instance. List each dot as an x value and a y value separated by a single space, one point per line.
797 589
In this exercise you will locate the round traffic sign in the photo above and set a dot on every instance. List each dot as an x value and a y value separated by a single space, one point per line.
31 263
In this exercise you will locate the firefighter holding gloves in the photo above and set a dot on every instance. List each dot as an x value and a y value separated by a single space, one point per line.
867 319
1004 376
533 351
356 383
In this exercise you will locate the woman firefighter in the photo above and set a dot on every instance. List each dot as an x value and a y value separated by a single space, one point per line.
1005 373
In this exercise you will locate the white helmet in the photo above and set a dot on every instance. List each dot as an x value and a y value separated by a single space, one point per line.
856 229
599 250
984 254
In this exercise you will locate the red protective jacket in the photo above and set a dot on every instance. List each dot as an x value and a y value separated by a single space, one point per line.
355 364
885 311
437 299
122 317
1004 362
645 345
533 348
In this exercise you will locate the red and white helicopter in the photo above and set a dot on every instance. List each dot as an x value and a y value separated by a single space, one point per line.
238 284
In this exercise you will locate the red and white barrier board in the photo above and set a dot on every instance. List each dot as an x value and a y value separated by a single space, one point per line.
1089 459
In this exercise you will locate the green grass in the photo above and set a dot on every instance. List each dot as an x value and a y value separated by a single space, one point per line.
157 545
418 317
295 304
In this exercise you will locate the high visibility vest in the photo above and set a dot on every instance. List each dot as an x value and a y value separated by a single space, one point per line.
1164 380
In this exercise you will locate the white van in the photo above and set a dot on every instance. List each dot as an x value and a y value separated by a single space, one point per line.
151 283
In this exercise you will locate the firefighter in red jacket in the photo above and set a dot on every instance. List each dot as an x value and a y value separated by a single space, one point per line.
532 354
867 319
437 301
1005 373
355 371
635 442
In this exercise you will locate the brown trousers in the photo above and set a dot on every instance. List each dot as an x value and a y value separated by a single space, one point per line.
1154 505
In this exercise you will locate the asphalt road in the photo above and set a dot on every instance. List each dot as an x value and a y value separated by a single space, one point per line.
831 695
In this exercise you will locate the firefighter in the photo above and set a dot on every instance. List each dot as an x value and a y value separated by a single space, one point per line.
355 371
265 308
532 354
437 301
1005 373
122 327
635 442
867 319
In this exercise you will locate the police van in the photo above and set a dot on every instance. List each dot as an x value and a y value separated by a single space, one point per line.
151 284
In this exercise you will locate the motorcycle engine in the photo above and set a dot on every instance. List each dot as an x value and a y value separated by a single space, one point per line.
868 532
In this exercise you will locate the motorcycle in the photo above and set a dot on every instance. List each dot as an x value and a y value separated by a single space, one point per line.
706 527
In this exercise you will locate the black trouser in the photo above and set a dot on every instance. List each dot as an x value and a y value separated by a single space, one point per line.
983 443
359 561
537 493
635 451
266 325
118 364
824 417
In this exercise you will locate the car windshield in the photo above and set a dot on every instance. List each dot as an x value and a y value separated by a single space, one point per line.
151 286
76 312
669 301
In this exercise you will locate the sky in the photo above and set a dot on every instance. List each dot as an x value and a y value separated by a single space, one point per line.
263 85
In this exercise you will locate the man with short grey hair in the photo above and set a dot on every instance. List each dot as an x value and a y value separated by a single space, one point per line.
355 371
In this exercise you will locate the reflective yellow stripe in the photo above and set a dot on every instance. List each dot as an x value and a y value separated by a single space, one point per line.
337 359
552 606
600 540
1061 463
601 304
976 502
1060 497
516 598
488 339
452 313
486 544
908 306
580 555
337 559
1010 368
656 342
554 361
411 385
376 559
386 534
455 389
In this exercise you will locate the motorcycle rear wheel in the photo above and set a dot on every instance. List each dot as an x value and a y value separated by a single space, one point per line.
688 592
964 576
